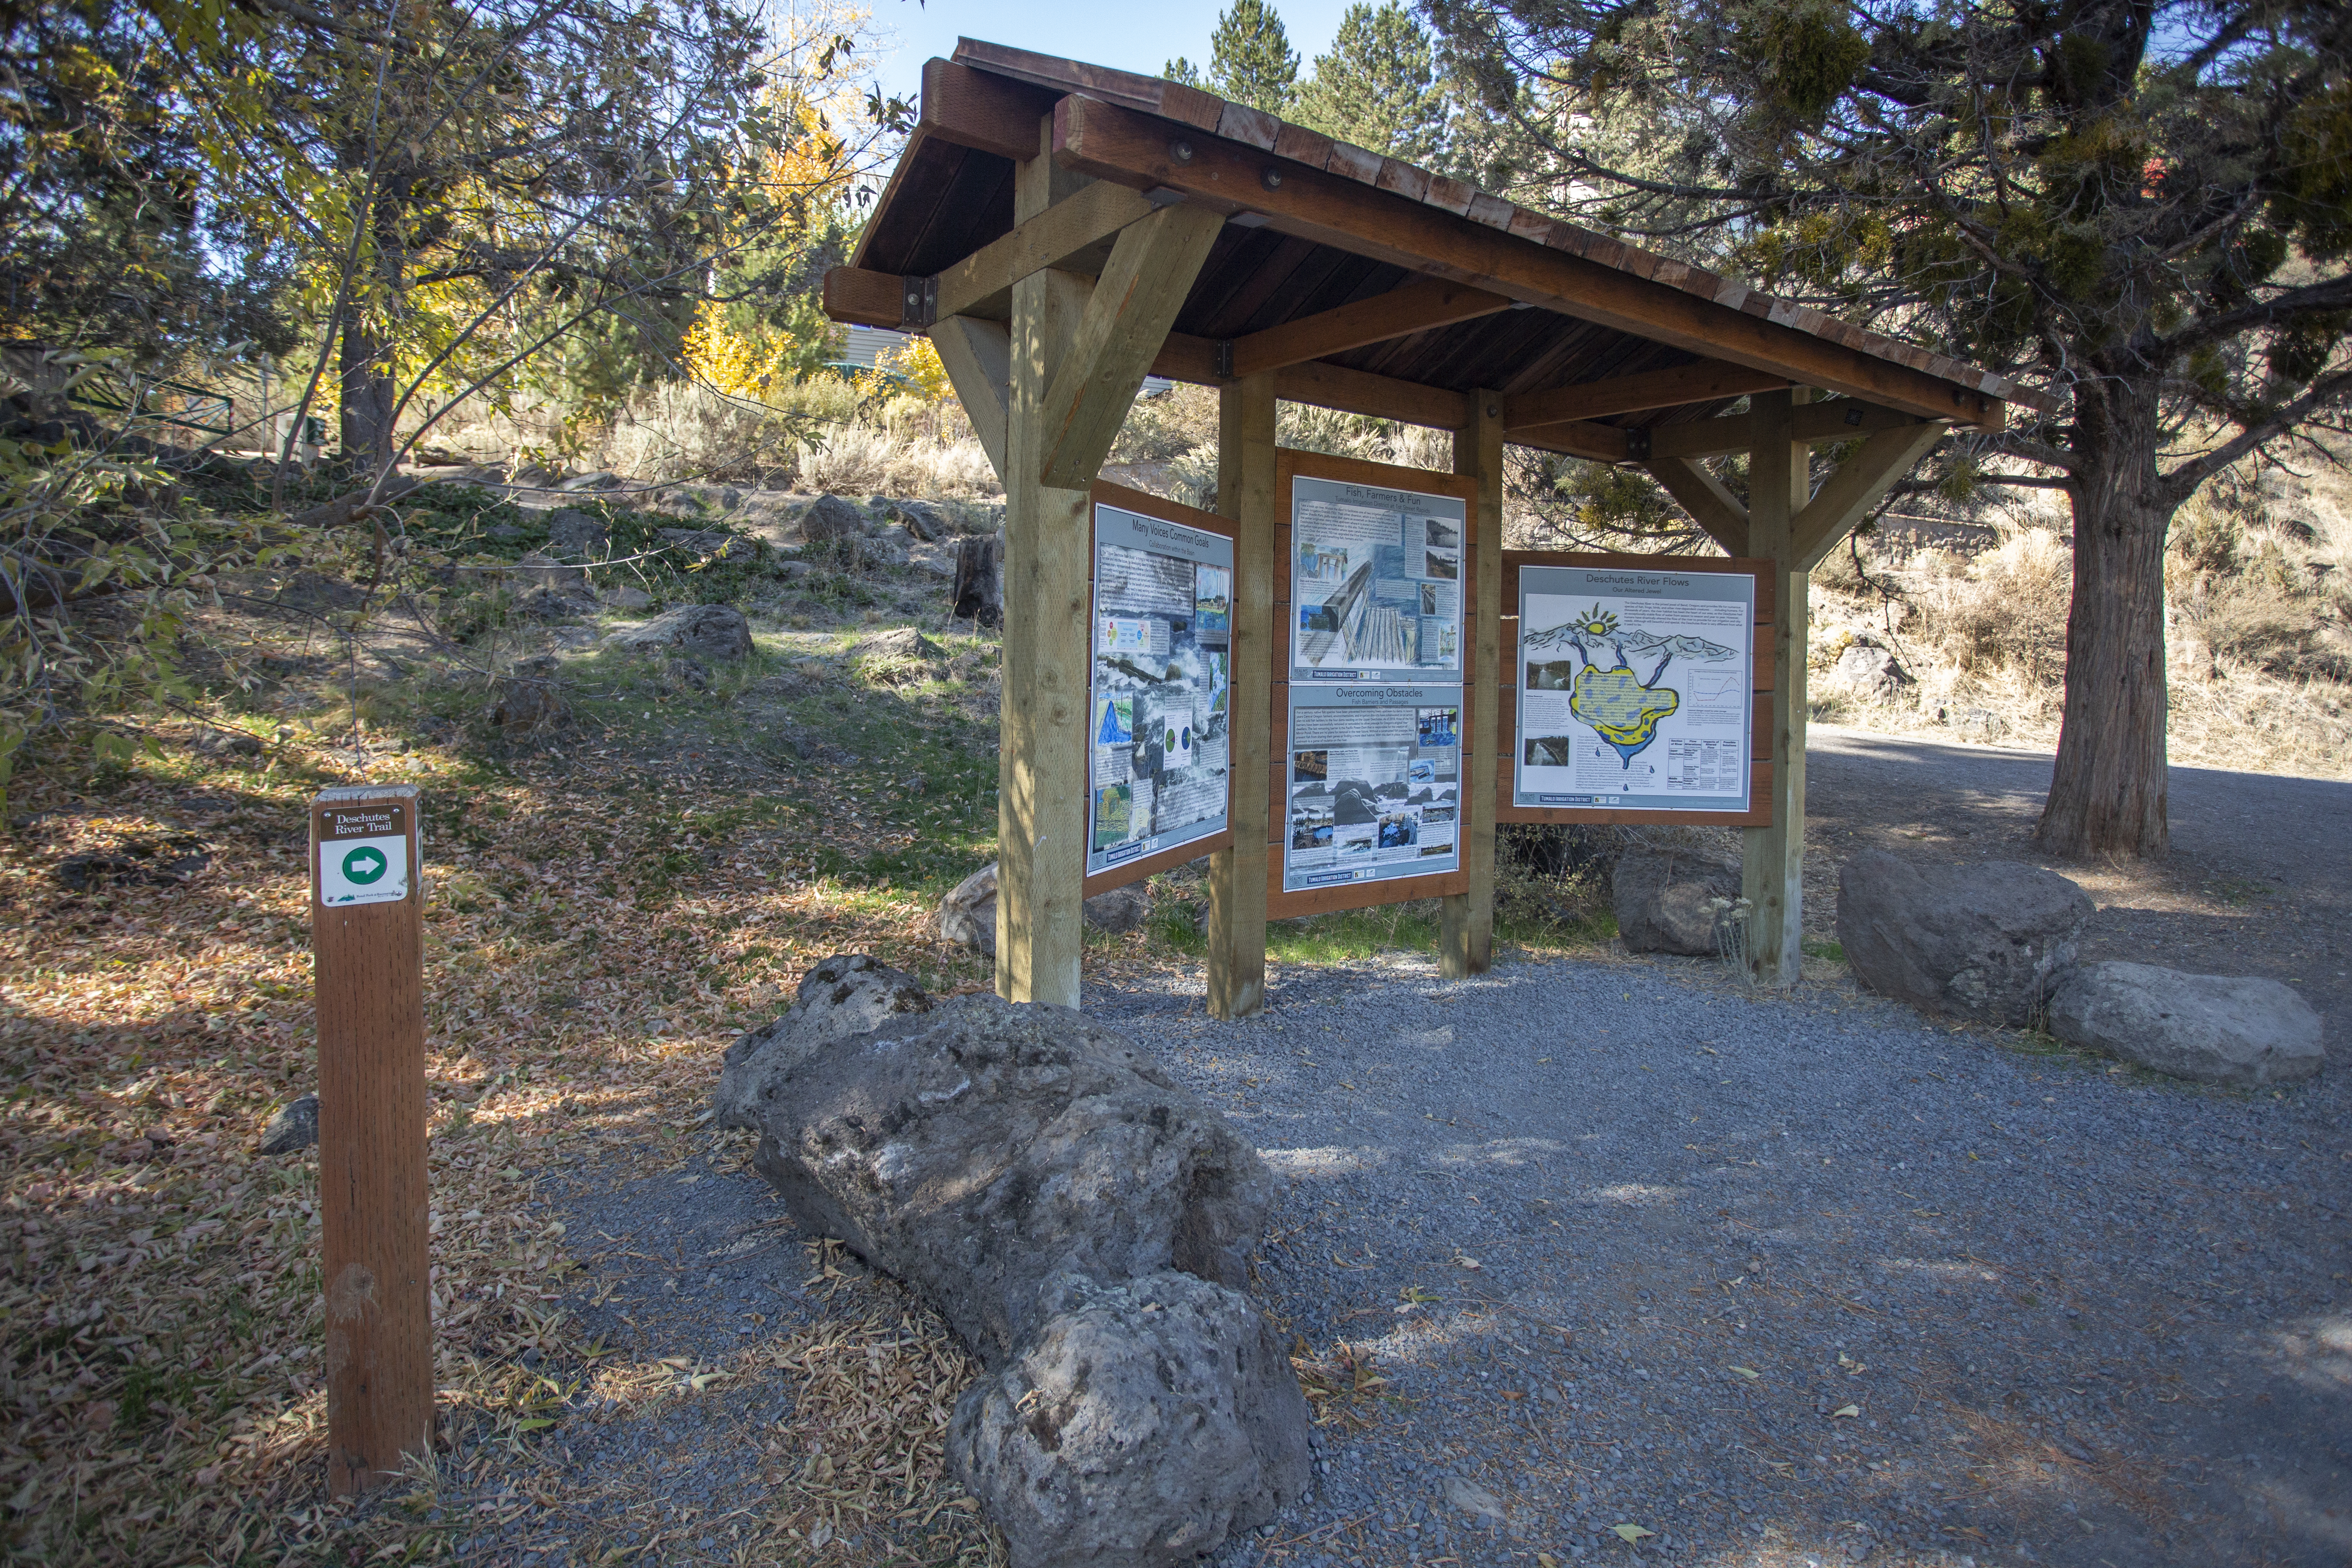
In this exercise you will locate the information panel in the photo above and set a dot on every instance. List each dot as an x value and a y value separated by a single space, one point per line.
1635 689
1372 787
1159 772
1375 583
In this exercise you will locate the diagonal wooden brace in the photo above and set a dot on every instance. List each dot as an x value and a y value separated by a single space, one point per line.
1710 505
1859 484
1135 302
977 358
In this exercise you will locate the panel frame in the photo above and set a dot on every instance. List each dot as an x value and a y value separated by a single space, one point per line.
1102 492
1760 741
1291 464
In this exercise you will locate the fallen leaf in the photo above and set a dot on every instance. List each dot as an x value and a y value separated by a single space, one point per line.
1545 1560
1846 1410
1472 1499
1631 1532
1746 1372
1468 1262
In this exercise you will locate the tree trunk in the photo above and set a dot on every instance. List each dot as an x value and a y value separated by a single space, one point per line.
368 395
2107 792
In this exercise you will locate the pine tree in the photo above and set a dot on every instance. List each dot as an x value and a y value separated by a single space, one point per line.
1378 88
1250 58
1181 69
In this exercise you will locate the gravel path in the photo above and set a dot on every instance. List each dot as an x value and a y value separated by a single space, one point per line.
1987 1303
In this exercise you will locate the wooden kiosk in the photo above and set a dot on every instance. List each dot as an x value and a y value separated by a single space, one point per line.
1061 230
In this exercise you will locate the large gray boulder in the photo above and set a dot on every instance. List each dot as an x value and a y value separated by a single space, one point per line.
848 994
704 631
830 517
2210 1028
976 1150
1983 941
1143 1423
1667 902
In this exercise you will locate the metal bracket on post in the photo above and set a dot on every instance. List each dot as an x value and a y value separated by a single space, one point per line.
921 296
1637 445
1224 359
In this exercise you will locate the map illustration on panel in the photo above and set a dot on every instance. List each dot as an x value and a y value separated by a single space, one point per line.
1157 763
1608 692
1634 689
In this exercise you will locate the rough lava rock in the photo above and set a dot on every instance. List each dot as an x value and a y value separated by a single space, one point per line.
967 914
831 517
1985 942
1869 671
575 534
848 994
1143 1423
1670 903
707 631
2210 1028
977 1150
294 1129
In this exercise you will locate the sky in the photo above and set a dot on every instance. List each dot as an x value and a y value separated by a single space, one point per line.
1130 35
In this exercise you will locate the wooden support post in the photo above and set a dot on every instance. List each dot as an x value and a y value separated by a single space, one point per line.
367 935
1041 791
1465 942
1772 859
1237 876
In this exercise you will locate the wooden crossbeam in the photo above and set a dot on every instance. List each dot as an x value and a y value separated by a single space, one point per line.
981 110
1416 307
868 298
1134 303
977 358
1859 484
1701 494
1115 144
1701 383
1812 424
982 283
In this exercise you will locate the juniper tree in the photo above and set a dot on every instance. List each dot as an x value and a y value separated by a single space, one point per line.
2141 207
1379 87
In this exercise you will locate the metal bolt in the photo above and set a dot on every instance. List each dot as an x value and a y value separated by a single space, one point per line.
1181 149
1271 178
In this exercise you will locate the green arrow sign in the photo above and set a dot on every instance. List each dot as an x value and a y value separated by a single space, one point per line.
364 864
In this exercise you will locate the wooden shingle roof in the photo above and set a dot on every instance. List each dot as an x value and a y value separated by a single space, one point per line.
1316 226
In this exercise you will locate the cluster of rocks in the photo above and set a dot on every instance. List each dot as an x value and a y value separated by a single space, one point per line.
1082 1222
1998 943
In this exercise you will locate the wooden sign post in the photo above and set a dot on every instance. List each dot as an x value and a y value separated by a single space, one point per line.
368 940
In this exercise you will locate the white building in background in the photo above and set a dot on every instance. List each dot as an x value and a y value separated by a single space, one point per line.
867 345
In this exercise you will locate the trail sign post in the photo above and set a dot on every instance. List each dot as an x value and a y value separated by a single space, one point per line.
367 933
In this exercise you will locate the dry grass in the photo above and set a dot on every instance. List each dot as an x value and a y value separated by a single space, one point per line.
159 1282
2257 639
865 459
